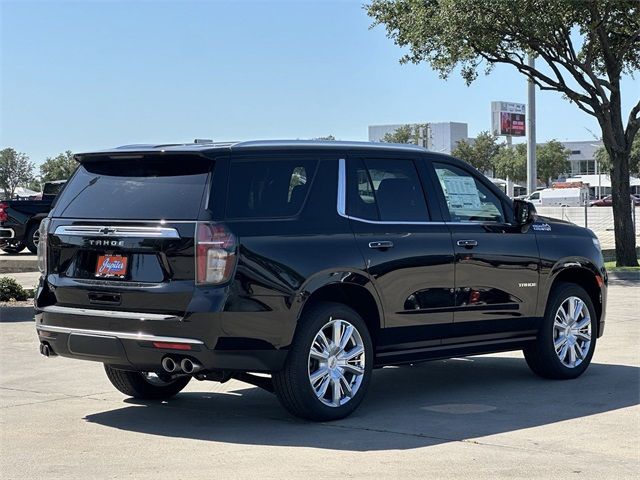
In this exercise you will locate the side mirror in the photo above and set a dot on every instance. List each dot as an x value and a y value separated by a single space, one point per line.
524 212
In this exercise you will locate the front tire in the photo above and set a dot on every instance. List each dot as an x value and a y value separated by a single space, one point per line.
567 337
143 385
328 368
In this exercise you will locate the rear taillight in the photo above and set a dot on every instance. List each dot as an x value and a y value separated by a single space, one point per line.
42 246
215 253
3 212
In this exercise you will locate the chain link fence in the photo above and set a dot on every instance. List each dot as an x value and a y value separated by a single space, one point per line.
598 219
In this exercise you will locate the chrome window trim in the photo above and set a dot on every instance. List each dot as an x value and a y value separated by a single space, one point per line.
145 337
342 202
342 206
117 231
107 313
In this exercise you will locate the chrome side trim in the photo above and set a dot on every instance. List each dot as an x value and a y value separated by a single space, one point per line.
145 337
342 188
342 205
116 231
107 313
12 233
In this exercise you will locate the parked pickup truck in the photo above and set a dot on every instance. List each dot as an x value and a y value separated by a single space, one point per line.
20 219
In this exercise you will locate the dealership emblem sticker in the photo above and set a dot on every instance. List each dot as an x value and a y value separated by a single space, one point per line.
111 266
541 227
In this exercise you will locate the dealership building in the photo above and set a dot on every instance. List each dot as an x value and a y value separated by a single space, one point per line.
443 137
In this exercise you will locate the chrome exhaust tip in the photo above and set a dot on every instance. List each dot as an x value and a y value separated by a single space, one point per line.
188 366
169 365
45 350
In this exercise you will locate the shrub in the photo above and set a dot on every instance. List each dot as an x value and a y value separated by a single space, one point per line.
11 290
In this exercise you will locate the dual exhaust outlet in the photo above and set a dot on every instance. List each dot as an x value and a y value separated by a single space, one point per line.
185 365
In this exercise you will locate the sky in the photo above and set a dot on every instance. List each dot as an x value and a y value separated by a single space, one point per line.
87 75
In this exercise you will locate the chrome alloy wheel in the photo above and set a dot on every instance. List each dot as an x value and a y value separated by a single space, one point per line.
36 237
572 332
336 363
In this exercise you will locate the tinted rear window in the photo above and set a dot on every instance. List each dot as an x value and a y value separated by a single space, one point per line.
169 188
268 188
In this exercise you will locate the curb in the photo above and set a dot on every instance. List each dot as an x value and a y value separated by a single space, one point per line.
17 266
626 277
17 314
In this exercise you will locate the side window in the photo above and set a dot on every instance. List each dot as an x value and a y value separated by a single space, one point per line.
387 190
268 188
468 200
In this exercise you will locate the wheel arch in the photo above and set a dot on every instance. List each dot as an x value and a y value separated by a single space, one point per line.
353 289
579 272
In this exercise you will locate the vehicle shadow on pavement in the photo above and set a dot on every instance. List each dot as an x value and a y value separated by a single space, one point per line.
406 407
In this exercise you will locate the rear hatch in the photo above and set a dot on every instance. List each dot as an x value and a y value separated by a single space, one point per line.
121 235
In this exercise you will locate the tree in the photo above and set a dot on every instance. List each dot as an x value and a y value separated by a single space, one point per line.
553 160
15 170
604 162
482 153
415 133
330 138
60 167
584 48
512 162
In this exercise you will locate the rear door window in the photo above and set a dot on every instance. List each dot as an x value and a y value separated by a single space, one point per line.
170 188
385 190
268 188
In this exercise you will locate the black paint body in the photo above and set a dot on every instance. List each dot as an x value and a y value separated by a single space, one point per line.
423 298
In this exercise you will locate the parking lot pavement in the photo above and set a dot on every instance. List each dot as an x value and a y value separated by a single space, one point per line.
481 417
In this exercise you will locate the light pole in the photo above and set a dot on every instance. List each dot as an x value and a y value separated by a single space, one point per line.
532 177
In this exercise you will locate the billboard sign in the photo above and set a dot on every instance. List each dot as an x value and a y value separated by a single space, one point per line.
508 118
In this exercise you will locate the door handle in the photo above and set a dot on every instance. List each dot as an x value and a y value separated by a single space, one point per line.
467 243
381 244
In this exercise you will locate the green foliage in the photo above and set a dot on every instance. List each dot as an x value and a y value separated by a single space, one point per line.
512 163
15 170
60 167
11 290
582 50
552 160
451 33
605 165
416 134
482 153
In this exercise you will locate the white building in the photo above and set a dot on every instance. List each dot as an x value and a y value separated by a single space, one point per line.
440 136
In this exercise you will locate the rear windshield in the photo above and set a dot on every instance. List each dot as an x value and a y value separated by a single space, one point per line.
168 188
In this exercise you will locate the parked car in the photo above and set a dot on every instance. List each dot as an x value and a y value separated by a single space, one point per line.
565 196
20 219
314 262
608 201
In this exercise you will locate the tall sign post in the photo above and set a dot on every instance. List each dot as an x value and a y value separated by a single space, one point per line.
532 170
508 120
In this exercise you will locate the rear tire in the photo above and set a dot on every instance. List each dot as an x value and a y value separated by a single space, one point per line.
32 238
323 379
566 340
139 385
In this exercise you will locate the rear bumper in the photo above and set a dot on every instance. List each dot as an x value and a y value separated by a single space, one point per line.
59 327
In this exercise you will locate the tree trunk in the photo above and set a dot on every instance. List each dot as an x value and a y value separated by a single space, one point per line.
624 230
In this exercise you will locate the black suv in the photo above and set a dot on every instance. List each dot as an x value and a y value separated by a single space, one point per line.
314 262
